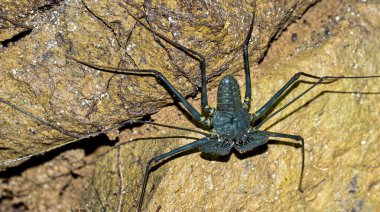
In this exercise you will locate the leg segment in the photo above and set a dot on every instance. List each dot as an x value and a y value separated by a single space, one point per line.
297 138
157 159
262 111
267 106
247 99
150 72
193 54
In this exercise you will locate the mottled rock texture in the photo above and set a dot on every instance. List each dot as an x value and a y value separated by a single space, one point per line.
78 101
338 120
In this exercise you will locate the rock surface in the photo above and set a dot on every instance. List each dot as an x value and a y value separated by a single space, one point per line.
338 120
61 101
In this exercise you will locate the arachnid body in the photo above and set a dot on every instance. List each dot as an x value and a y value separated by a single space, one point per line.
230 123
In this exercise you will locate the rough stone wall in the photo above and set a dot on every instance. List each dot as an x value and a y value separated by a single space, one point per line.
73 101
337 120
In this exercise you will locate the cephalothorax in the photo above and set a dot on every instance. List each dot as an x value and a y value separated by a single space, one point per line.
231 124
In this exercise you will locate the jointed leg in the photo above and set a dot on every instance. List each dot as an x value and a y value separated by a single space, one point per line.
247 99
193 54
155 160
297 138
262 111
269 104
194 113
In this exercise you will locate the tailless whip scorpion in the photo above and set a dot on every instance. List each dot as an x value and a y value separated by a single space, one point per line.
230 124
